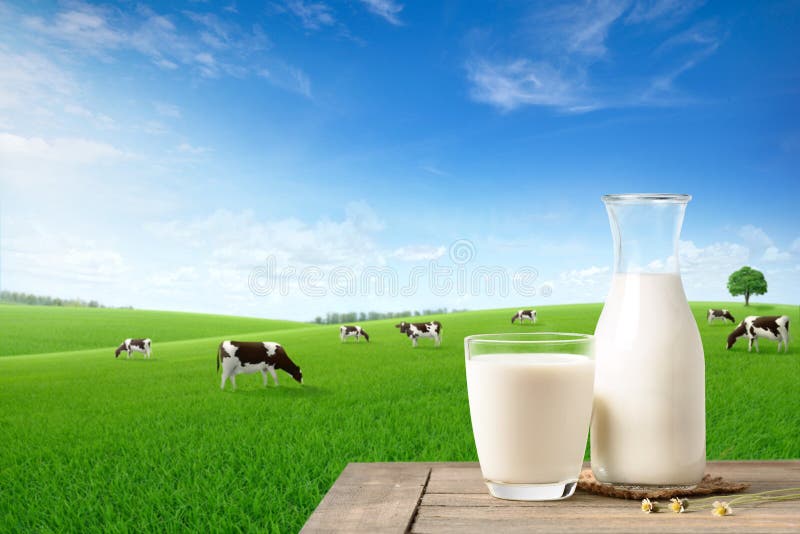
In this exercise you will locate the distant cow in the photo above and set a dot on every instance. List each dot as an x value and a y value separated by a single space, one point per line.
418 330
348 331
723 315
247 357
134 345
774 327
530 315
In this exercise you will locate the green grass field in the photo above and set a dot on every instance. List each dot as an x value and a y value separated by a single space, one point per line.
93 443
38 329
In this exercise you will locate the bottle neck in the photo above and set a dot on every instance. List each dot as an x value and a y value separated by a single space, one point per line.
646 236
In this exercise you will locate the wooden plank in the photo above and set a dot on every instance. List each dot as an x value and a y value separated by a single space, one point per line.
456 499
563 518
758 471
456 480
371 498
450 497
581 499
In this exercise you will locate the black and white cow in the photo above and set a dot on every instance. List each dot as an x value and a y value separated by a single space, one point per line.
724 315
348 331
134 345
530 315
238 357
774 327
417 330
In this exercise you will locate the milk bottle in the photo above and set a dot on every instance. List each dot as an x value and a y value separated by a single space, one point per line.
648 424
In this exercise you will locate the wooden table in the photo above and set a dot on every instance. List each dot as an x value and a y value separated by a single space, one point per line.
451 497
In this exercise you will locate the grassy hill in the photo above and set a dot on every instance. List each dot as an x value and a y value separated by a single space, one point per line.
37 329
96 443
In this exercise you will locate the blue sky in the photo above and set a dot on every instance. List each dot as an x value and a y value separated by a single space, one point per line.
158 154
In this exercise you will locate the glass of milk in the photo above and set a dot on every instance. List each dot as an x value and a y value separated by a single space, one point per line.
530 399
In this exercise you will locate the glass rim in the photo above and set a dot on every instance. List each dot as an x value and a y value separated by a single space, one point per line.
635 198
529 338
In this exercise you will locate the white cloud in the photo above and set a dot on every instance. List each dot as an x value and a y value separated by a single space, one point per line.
435 170
312 15
85 27
190 149
61 150
520 82
705 263
165 64
77 110
213 47
762 246
772 254
389 10
301 83
153 127
167 110
210 45
206 64
361 216
705 270
93 264
583 277
579 285
31 79
98 120
754 237
36 91
216 32
288 78
703 34
205 59
565 43
663 11
795 246
414 253
702 40
584 27
169 279
56 255
241 240
231 244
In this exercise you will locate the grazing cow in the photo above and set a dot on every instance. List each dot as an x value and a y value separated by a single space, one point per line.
724 315
774 327
524 314
348 331
134 345
239 357
418 330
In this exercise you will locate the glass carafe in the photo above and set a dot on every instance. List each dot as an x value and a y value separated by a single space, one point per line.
648 425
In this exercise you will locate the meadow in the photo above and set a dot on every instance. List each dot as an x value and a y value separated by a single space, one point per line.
91 443
38 329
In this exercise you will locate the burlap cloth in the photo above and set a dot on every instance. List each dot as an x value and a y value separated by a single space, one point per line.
708 486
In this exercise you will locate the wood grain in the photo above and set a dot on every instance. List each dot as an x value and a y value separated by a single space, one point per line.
371 498
450 497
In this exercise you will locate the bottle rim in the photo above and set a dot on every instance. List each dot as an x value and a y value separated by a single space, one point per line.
642 198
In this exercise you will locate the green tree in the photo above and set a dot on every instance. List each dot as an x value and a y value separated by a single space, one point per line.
747 281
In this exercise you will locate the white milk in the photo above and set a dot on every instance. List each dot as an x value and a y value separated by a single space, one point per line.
648 426
530 415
